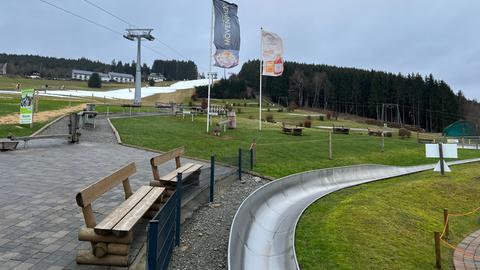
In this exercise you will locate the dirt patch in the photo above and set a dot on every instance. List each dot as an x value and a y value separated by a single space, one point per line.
41 116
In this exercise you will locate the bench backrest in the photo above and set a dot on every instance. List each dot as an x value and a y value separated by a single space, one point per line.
97 189
94 191
159 160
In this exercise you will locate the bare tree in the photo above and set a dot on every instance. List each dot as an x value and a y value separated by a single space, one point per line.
297 86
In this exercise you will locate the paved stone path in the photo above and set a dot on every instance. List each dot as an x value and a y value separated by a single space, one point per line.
39 218
467 253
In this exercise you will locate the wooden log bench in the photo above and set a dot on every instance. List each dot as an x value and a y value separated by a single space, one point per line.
341 130
292 130
190 171
111 238
425 140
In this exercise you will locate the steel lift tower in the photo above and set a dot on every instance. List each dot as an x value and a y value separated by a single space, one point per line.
138 34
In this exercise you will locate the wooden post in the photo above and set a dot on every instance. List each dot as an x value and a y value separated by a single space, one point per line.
463 143
446 223
383 142
330 150
438 255
442 165
418 137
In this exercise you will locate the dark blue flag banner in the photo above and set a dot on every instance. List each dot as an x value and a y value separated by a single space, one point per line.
227 34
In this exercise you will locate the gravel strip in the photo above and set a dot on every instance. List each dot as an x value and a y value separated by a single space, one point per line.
204 241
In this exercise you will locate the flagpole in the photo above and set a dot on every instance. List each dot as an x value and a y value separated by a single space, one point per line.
210 78
261 77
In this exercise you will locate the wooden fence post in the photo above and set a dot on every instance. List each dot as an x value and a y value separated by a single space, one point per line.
330 150
446 223
438 255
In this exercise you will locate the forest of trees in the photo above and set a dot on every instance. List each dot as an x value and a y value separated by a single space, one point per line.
175 70
51 67
422 101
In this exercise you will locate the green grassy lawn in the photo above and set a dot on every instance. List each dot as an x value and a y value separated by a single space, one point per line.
389 224
20 130
277 154
11 104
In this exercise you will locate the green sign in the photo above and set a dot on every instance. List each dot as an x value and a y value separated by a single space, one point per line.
26 106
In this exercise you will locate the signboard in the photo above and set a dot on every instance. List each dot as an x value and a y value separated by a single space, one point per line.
26 106
272 54
449 150
227 34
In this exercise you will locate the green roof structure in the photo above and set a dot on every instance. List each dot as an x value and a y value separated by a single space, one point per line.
460 129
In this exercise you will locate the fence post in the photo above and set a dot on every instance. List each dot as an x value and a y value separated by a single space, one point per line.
438 255
476 144
463 143
446 223
152 237
251 159
383 142
330 150
239 163
212 177
179 208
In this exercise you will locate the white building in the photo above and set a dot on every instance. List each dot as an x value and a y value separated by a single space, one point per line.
157 77
84 75
3 69
121 77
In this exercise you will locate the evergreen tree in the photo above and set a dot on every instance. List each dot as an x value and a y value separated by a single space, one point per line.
95 81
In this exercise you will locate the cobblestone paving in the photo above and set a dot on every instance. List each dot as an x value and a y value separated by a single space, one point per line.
467 253
39 218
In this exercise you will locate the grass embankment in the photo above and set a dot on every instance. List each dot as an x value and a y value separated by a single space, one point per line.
389 224
10 104
10 83
277 154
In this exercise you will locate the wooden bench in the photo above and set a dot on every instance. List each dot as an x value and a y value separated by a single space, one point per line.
341 130
111 238
425 141
292 130
190 171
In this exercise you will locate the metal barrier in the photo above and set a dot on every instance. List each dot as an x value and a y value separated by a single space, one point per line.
164 231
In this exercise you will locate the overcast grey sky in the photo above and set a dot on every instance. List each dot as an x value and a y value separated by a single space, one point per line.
425 36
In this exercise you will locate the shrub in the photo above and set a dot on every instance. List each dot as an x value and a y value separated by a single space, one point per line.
300 124
95 81
307 123
373 122
194 97
309 117
404 133
321 118
280 109
268 110
239 110
270 118
329 115
388 134
190 104
245 104
251 117
151 82
204 104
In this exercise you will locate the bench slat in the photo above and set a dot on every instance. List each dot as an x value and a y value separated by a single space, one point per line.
114 217
173 175
127 223
188 172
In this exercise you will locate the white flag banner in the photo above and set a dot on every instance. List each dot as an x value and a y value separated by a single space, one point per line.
272 54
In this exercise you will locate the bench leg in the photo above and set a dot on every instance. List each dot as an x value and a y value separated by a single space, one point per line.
86 257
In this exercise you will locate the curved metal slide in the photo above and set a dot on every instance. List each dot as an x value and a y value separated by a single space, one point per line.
263 230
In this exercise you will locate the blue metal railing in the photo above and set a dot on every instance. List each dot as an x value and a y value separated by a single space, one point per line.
164 231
